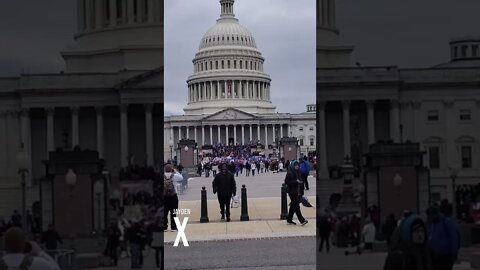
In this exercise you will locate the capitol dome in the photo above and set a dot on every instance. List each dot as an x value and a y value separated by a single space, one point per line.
228 70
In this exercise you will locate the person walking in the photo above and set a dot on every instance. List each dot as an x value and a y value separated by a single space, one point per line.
136 241
113 241
305 171
389 228
248 168
170 195
51 239
214 169
443 239
295 191
409 247
224 184
368 232
325 228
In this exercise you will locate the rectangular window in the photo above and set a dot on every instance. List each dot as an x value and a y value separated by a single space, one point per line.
466 157
223 64
228 64
301 142
465 115
241 66
300 128
475 51
235 64
312 143
216 64
434 157
464 51
455 52
432 116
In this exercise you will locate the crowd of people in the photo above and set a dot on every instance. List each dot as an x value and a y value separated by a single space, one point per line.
413 243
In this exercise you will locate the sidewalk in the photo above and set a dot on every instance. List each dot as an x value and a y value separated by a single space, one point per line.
264 214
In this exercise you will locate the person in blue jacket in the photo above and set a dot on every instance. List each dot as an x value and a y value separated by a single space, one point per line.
443 239
305 171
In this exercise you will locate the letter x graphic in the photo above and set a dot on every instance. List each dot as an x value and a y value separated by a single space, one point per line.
181 232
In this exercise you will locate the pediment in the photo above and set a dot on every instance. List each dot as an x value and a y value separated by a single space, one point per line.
230 114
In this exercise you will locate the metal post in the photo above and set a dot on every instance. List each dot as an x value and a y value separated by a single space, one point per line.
24 202
284 210
244 215
454 199
204 207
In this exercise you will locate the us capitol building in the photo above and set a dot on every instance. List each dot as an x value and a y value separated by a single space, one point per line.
109 98
437 107
229 95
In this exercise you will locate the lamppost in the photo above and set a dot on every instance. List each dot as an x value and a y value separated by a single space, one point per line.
71 181
171 149
453 176
23 160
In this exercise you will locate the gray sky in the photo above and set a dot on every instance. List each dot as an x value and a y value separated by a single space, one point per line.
396 32
284 31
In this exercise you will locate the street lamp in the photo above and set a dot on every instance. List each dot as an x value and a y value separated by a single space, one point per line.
23 160
71 181
453 176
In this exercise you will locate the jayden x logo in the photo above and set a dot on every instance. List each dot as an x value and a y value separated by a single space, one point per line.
181 232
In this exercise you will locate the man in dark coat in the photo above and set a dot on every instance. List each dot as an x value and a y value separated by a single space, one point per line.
224 183
295 191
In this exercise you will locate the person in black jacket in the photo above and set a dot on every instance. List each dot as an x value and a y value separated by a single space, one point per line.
113 236
295 191
325 227
409 247
224 183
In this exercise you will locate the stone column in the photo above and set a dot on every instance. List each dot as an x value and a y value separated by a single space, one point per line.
226 91
281 131
218 97
258 132
371 121
211 90
248 90
171 134
124 135
88 14
26 130
395 121
98 14
188 132
323 140
234 94
50 129
113 13
203 135
130 12
150 11
289 131
234 134
226 134
266 135
204 90
124 12
149 134
80 15
218 135
346 128
74 111
195 134
99 111
251 131
243 134
139 11
211 135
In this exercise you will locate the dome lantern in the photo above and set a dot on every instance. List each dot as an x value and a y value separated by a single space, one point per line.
227 9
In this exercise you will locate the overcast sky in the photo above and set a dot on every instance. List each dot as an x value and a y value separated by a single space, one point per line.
284 31
397 32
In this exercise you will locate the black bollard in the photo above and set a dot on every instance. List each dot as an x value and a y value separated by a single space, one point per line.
244 215
204 206
284 210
